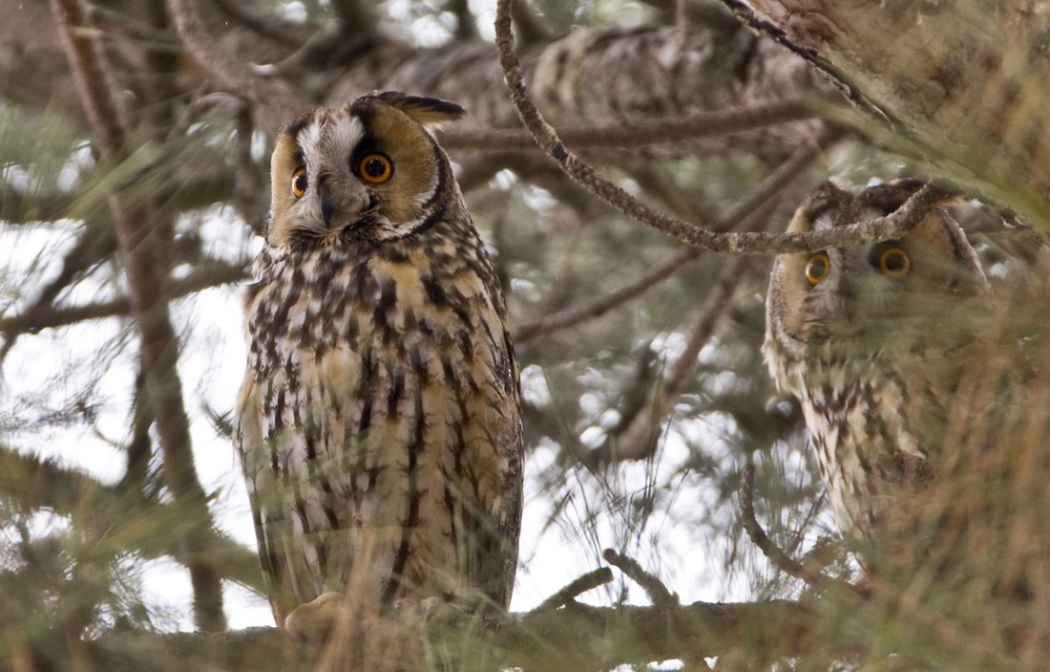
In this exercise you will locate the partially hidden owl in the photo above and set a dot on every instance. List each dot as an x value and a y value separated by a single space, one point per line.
379 423
873 338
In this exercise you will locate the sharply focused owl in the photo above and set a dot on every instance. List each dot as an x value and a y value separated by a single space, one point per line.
872 338
379 423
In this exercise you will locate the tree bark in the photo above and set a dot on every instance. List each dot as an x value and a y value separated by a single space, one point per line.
575 637
965 80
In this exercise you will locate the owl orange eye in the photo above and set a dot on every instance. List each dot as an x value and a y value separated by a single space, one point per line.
299 182
375 168
817 267
894 261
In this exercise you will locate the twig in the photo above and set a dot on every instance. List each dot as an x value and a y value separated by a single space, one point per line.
136 228
883 228
530 27
658 593
267 23
737 215
263 93
94 244
577 587
46 316
640 133
636 439
774 553
602 304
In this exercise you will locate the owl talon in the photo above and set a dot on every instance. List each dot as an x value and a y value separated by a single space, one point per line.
312 622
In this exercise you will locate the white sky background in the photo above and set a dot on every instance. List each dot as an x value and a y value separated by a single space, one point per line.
212 365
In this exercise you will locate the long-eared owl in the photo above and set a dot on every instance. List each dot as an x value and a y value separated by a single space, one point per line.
872 339
379 422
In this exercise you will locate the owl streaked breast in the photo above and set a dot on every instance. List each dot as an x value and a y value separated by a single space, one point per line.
872 339
379 422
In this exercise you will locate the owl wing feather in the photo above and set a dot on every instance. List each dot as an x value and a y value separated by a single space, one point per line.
399 437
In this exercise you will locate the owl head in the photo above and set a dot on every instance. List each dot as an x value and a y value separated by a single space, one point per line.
869 297
370 170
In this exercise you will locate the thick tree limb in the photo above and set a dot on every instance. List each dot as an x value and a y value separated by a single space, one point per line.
967 80
702 238
576 637
642 133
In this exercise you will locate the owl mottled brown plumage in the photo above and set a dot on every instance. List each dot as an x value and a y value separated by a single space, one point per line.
871 338
379 422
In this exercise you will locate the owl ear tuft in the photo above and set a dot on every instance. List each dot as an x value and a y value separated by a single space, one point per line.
432 113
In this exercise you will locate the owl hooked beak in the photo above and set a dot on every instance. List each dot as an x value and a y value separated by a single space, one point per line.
341 205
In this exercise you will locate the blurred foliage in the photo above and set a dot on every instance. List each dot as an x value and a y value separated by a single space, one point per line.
85 507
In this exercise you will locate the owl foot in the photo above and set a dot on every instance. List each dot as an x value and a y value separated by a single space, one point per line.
313 622
464 602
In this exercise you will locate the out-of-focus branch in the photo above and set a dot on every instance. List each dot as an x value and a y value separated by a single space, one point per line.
94 244
530 25
37 483
658 593
964 84
577 587
883 228
736 216
576 637
269 98
47 316
137 230
637 439
466 26
266 23
641 133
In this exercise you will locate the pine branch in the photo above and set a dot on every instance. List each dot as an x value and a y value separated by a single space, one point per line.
137 230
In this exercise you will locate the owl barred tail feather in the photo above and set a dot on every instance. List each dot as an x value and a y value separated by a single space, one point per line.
379 422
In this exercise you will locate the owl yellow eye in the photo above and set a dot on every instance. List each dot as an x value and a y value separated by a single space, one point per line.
817 267
375 168
299 182
894 261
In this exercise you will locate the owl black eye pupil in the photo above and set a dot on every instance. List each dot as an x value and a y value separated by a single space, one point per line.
375 168
300 182
895 261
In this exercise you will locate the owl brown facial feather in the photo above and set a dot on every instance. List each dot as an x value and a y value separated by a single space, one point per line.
370 170
886 291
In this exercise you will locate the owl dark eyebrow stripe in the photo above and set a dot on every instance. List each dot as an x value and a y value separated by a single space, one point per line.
296 127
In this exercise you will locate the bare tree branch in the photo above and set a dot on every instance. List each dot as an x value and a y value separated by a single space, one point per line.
136 230
47 316
661 597
737 216
884 228
641 133
266 23
576 637
270 98
577 587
